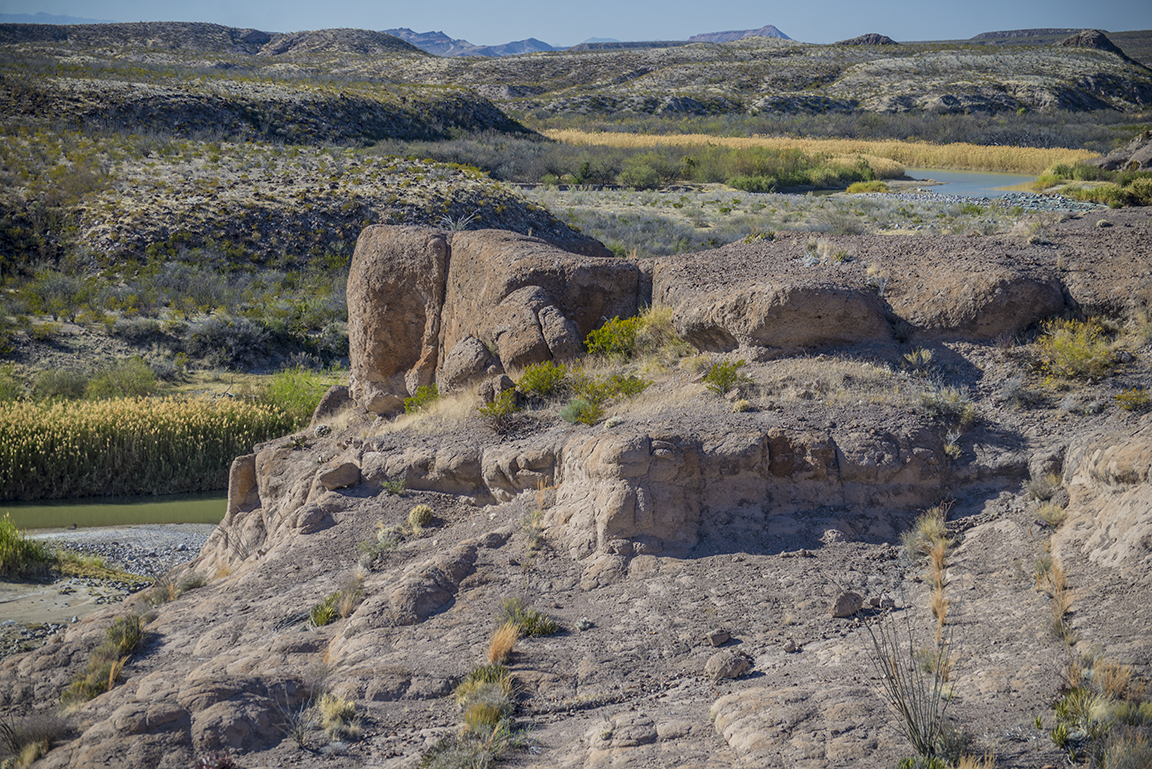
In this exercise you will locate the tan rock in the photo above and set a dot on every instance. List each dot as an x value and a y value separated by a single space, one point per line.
339 476
395 294
847 604
726 664
469 359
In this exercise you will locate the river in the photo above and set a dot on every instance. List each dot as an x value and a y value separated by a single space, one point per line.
973 184
117 511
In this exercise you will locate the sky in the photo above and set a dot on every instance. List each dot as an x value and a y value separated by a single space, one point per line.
493 22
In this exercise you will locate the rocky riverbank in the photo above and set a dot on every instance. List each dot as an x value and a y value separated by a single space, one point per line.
31 612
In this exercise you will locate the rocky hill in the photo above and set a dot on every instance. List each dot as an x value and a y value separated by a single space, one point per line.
738 34
714 561
749 75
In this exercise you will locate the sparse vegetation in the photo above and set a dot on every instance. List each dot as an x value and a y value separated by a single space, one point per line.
725 376
1072 349
125 636
531 622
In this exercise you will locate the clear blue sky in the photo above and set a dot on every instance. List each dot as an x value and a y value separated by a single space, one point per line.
567 23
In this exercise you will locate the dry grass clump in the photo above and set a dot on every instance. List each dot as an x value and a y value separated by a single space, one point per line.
502 642
23 741
121 640
338 717
1052 514
443 415
1072 349
832 379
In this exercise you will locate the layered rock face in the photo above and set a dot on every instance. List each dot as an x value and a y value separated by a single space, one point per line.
425 306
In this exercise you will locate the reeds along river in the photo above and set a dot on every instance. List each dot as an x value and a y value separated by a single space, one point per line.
117 511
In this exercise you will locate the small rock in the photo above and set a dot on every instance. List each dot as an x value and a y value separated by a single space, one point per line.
847 604
887 603
717 637
726 664
874 602
790 646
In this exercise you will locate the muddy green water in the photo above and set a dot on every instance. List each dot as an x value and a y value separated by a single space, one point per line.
118 511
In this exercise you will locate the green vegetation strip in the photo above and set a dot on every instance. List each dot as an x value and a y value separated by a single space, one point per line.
127 445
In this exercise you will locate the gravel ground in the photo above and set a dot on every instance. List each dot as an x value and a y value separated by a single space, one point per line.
32 612
1030 202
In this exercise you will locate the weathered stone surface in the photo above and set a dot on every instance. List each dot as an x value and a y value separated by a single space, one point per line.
339 476
335 400
395 294
726 664
243 493
846 604
489 266
469 359
974 305
1109 478
781 317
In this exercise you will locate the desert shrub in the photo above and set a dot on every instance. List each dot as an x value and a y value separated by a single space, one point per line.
657 337
132 378
542 379
227 341
11 388
1052 514
499 412
20 556
725 376
338 717
582 411
424 397
1071 349
1134 399
616 338
752 183
531 622
502 642
947 402
24 740
59 383
926 534
914 690
875 185
324 612
296 392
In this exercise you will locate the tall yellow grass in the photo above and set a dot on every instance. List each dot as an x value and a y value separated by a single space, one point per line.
958 156
127 445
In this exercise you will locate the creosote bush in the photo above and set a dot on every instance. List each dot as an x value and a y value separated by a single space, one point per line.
498 413
424 397
725 376
616 338
543 379
1072 349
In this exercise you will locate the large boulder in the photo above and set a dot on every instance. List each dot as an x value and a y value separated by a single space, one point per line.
533 301
395 294
425 306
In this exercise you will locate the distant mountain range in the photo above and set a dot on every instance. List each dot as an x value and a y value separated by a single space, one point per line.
738 34
46 18
441 45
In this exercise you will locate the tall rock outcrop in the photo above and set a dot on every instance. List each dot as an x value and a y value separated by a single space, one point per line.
430 306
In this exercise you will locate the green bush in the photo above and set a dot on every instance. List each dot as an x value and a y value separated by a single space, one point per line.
532 622
131 378
500 410
873 186
20 556
1134 399
582 411
297 392
1071 349
11 389
121 640
543 379
725 376
752 183
616 338
424 397
59 384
